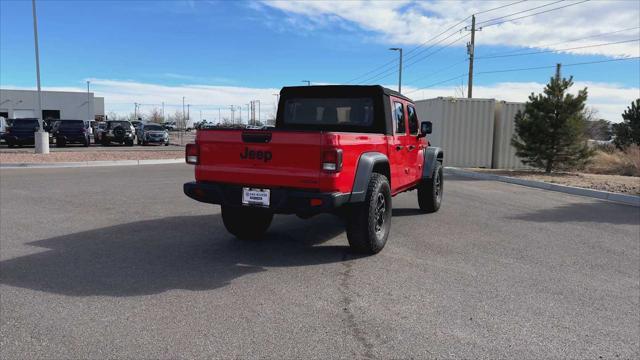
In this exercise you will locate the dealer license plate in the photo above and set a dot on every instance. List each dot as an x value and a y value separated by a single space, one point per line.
259 197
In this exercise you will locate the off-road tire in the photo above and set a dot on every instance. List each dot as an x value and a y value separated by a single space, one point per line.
246 223
369 222
430 191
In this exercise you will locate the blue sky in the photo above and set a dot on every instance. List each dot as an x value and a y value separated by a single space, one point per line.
221 52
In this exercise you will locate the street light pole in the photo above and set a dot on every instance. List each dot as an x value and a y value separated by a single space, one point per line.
88 108
41 137
399 69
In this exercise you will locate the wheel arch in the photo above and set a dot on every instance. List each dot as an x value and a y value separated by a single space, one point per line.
432 154
368 163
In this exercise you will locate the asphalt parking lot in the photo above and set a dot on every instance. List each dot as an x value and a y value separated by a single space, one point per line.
116 262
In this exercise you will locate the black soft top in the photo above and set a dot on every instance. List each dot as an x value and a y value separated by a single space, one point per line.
380 95
321 91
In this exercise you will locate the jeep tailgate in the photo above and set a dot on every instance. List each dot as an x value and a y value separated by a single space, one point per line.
260 158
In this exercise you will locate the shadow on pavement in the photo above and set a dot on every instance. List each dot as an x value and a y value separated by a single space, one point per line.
149 257
597 212
406 212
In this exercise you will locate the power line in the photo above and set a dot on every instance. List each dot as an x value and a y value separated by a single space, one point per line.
553 66
538 13
519 12
427 41
389 72
557 50
567 41
526 69
440 70
499 7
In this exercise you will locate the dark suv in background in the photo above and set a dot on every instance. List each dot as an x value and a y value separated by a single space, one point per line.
20 132
119 131
152 134
71 131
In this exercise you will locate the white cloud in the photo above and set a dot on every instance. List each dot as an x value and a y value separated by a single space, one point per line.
413 22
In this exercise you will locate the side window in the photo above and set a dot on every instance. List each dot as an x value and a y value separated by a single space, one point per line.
398 114
413 120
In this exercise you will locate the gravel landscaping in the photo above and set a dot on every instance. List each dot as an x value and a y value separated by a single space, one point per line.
612 183
89 155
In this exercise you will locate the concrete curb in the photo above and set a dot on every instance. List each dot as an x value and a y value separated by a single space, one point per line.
632 200
89 163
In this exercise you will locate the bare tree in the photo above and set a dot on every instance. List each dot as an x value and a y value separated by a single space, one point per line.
155 115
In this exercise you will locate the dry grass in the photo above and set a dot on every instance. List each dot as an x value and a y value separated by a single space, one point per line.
615 162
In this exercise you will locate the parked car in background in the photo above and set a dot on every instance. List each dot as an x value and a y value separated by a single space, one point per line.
3 127
98 129
170 125
71 132
21 132
117 131
150 133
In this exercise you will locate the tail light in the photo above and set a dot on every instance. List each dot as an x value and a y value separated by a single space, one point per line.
192 154
332 160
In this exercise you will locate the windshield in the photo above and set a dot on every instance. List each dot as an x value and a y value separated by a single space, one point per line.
71 124
25 124
337 112
153 128
115 124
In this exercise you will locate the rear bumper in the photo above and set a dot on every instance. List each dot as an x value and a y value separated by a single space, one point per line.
282 201
22 140
72 138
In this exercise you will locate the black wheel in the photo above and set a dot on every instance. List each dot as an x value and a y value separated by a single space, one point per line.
246 223
430 191
138 141
128 142
87 141
60 142
369 223
166 144
144 143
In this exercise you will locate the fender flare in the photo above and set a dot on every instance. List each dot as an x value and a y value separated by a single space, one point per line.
431 155
366 164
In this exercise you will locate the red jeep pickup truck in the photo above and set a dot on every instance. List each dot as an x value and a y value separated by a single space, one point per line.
334 149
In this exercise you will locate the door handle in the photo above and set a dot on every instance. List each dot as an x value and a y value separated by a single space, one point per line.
410 147
399 147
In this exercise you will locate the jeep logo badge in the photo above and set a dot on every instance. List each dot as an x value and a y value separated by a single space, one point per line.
256 154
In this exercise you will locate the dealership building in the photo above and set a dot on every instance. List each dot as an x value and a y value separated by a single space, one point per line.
16 104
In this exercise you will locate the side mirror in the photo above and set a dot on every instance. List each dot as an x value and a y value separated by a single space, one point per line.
425 128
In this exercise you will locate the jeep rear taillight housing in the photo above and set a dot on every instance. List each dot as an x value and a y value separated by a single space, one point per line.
192 154
332 160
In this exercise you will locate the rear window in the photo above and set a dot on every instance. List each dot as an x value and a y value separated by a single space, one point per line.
115 124
153 127
24 124
332 112
71 124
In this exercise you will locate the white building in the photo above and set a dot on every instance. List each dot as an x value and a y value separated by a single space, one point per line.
55 105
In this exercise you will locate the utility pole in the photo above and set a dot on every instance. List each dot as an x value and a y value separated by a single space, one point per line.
88 108
219 116
183 117
135 110
233 110
470 50
41 141
258 101
248 114
399 69
163 119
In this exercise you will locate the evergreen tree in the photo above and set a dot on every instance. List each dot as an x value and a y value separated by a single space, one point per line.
628 131
549 134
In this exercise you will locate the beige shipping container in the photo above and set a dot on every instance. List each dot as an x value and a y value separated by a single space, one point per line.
462 127
504 155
